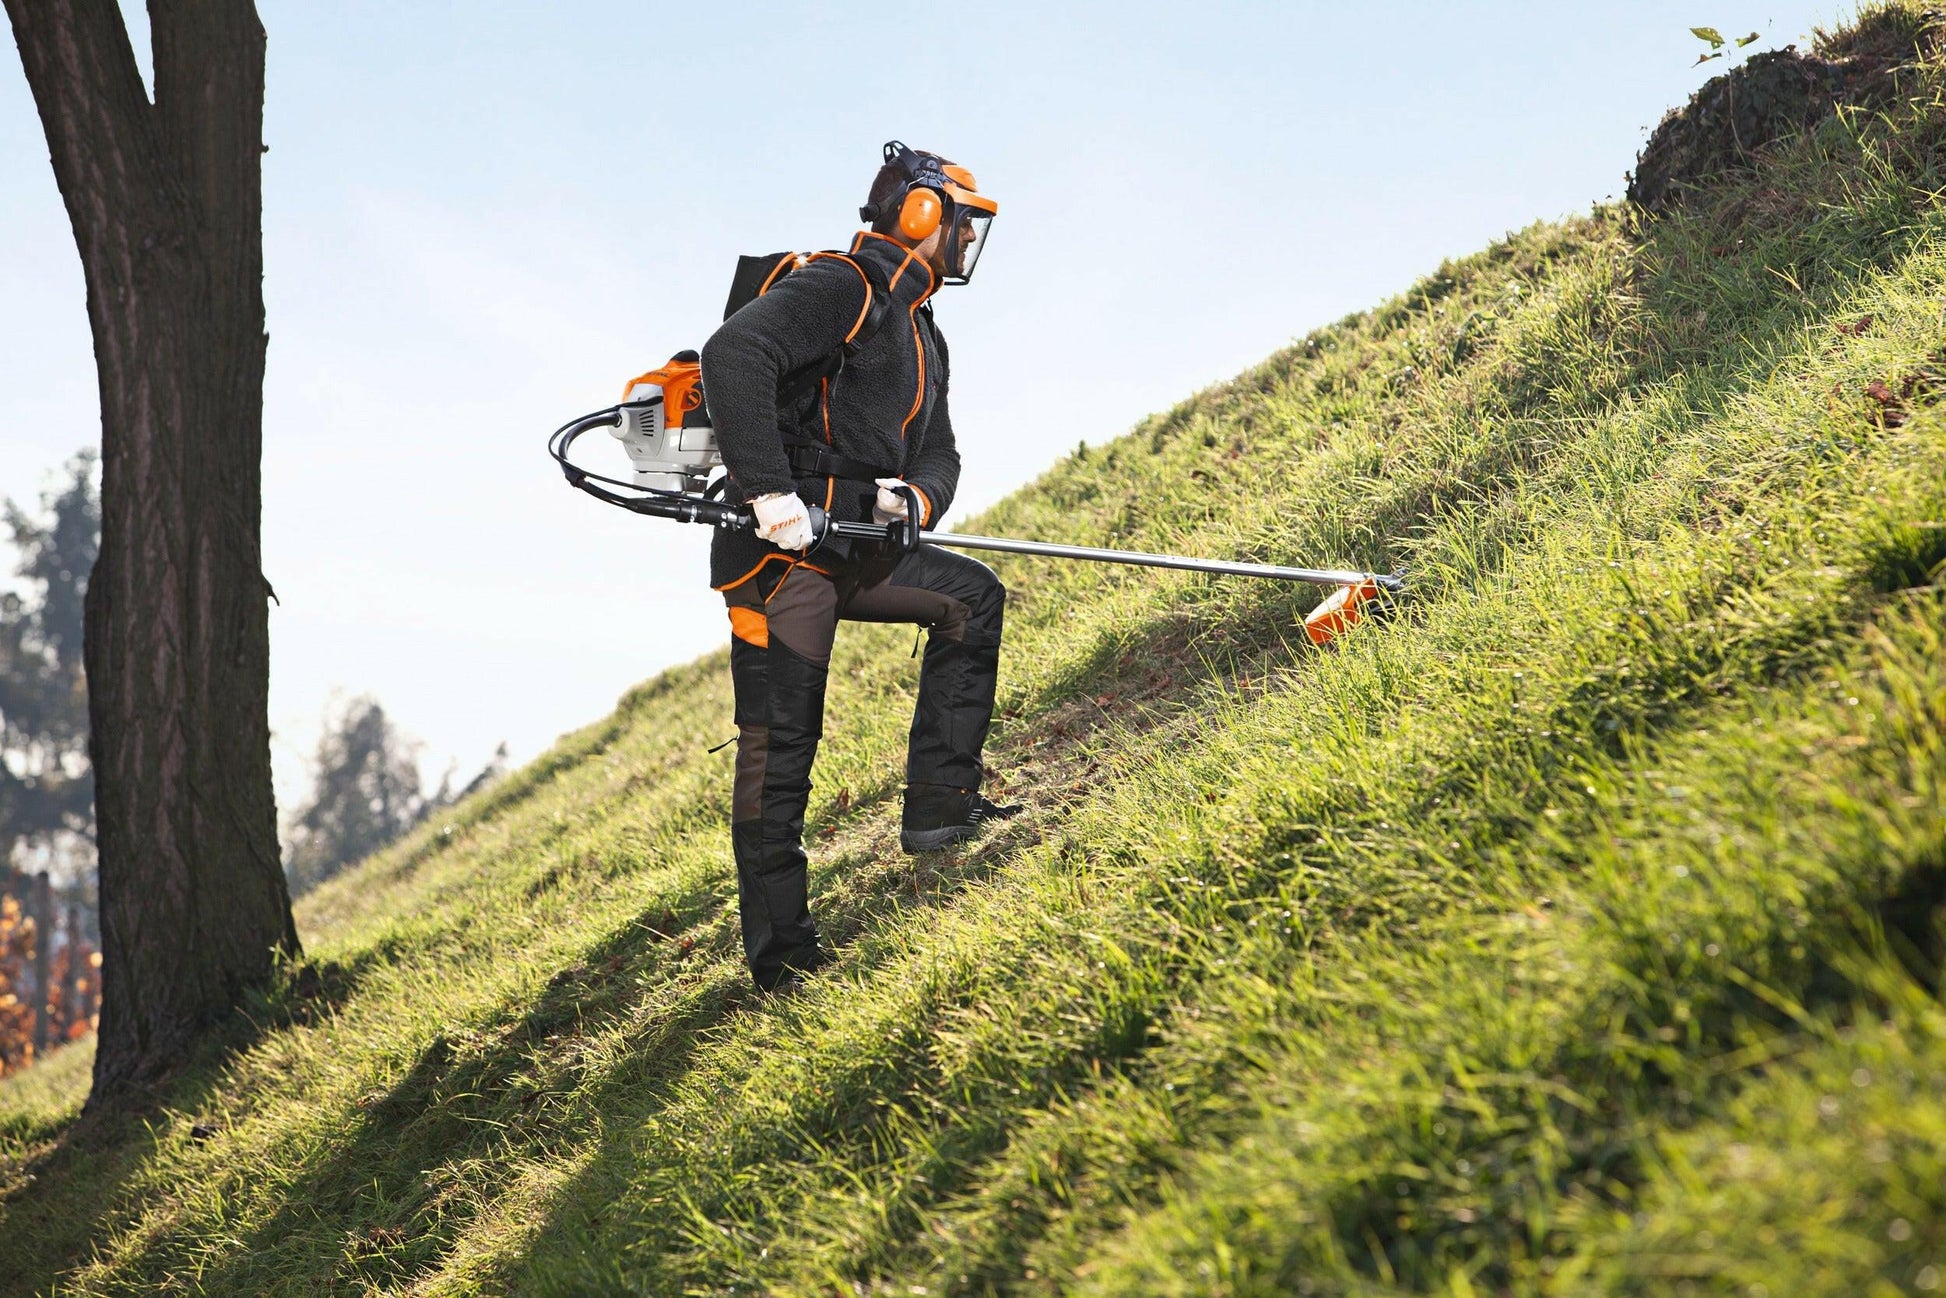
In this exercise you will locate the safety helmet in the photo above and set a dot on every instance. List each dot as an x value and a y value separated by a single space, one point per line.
935 193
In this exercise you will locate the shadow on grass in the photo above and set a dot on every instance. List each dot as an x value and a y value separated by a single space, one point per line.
388 1199
388 1202
73 1190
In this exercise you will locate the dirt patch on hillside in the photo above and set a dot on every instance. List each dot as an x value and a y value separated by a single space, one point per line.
1727 123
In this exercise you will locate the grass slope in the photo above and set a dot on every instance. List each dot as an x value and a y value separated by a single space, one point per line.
1576 931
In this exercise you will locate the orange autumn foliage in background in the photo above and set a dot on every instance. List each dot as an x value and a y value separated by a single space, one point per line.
73 999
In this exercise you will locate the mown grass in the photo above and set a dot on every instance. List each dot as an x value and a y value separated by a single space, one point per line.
1576 930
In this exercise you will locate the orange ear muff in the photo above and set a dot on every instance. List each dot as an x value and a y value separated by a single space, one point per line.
919 214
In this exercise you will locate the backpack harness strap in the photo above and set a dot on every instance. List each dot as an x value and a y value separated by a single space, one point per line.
808 455
800 383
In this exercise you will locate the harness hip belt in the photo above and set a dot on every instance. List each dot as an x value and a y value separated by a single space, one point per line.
816 459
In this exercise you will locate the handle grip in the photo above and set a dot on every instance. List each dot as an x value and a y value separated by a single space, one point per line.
908 527
901 533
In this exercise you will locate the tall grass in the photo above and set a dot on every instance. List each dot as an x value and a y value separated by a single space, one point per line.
1575 930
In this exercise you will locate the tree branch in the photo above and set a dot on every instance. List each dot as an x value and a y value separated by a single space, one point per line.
88 89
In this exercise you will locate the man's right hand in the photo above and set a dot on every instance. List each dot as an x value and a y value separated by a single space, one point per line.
783 520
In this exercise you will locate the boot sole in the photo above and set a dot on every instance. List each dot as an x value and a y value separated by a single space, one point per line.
915 841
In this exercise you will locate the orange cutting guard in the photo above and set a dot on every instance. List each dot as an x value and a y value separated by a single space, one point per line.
1339 612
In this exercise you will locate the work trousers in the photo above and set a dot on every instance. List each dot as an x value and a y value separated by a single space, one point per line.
783 621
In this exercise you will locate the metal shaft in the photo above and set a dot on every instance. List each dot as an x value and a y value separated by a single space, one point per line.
1319 576
1137 558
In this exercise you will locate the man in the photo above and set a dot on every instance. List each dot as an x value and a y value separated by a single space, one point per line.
830 386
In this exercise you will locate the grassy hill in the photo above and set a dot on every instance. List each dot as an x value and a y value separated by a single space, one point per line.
1577 930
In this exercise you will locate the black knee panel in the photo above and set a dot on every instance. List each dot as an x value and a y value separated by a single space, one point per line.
989 611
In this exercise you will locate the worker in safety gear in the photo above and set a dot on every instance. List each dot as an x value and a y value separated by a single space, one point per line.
848 442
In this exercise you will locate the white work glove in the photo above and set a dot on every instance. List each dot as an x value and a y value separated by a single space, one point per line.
783 520
890 504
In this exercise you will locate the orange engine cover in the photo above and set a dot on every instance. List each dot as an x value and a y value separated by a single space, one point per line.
680 382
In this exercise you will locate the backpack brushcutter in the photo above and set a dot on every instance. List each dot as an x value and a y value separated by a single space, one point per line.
662 424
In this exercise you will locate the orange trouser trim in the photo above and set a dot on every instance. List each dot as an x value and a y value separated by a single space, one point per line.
750 625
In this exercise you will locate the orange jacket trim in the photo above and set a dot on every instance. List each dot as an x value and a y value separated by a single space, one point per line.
795 565
900 272
824 407
932 281
779 557
919 346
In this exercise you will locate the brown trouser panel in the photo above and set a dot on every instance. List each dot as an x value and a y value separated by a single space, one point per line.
885 602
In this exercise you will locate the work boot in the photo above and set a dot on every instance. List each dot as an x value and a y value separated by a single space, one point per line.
791 978
788 984
939 815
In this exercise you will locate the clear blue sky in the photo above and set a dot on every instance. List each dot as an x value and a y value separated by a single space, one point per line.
480 218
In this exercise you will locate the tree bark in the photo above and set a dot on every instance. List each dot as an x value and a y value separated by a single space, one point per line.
71 974
166 203
43 912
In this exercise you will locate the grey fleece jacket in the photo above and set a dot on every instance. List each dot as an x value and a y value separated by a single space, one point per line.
887 408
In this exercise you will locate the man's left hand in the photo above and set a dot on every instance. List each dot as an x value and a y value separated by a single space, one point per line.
890 506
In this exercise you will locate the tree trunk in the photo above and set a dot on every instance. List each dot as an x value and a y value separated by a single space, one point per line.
166 203
71 975
43 912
